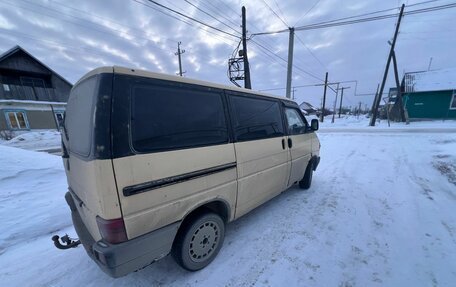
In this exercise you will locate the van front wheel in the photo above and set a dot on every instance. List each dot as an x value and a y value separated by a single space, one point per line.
307 179
199 241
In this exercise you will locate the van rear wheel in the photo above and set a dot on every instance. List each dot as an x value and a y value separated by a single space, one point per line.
199 242
307 179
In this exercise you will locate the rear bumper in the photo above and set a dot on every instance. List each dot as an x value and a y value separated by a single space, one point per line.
120 259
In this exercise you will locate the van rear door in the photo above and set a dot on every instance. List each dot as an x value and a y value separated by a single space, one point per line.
88 163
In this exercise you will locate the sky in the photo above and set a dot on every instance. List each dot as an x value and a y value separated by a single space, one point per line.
74 37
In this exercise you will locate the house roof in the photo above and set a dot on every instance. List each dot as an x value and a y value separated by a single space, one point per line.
436 80
18 48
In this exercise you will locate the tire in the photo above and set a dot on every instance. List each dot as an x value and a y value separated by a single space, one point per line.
307 179
199 242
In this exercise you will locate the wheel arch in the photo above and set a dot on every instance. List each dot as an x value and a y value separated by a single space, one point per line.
218 206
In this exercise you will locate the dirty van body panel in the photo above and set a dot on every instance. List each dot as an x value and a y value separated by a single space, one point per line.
94 175
262 157
88 143
157 207
299 141
262 172
315 145
162 173
300 156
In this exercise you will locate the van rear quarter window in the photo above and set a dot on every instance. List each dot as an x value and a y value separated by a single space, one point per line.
255 118
79 116
167 118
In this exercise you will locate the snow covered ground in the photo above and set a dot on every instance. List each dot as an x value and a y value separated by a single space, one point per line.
362 122
380 212
35 140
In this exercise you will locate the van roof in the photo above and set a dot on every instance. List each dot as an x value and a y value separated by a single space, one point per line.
147 74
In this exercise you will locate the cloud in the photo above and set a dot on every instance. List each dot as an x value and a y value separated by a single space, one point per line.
94 33
5 24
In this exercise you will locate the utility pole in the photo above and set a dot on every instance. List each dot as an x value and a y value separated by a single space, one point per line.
359 110
247 83
294 90
322 116
335 104
290 61
393 44
342 98
430 63
375 98
178 54
399 88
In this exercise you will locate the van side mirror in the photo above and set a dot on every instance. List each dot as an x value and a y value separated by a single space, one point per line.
314 125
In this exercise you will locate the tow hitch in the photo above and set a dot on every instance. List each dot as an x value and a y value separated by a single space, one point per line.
68 242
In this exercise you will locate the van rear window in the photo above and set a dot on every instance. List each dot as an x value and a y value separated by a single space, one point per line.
79 116
167 118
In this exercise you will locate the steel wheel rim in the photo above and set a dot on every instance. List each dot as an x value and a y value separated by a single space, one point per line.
204 241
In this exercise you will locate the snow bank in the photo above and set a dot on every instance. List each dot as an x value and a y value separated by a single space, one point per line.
36 140
32 186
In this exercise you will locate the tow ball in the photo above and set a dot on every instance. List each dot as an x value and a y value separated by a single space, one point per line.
67 242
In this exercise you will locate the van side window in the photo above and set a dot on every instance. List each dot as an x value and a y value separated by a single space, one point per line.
255 118
296 124
167 118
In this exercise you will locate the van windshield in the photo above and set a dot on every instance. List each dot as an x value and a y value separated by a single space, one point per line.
79 117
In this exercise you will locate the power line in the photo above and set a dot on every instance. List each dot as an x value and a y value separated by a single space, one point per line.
278 7
280 10
213 8
82 50
108 20
308 11
210 15
85 23
92 26
191 18
103 30
341 22
281 58
310 51
228 6
293 65
267 54
277 15
184 21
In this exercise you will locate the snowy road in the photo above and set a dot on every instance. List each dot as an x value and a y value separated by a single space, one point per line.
380 212
388 130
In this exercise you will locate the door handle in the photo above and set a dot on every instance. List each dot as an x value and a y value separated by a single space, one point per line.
290 143
283 143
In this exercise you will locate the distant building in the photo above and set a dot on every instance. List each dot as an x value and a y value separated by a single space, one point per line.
308 108
430 94
32 96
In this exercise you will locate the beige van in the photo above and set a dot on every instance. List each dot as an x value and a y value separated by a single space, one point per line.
159 164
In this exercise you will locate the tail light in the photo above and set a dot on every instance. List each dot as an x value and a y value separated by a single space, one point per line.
112 230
